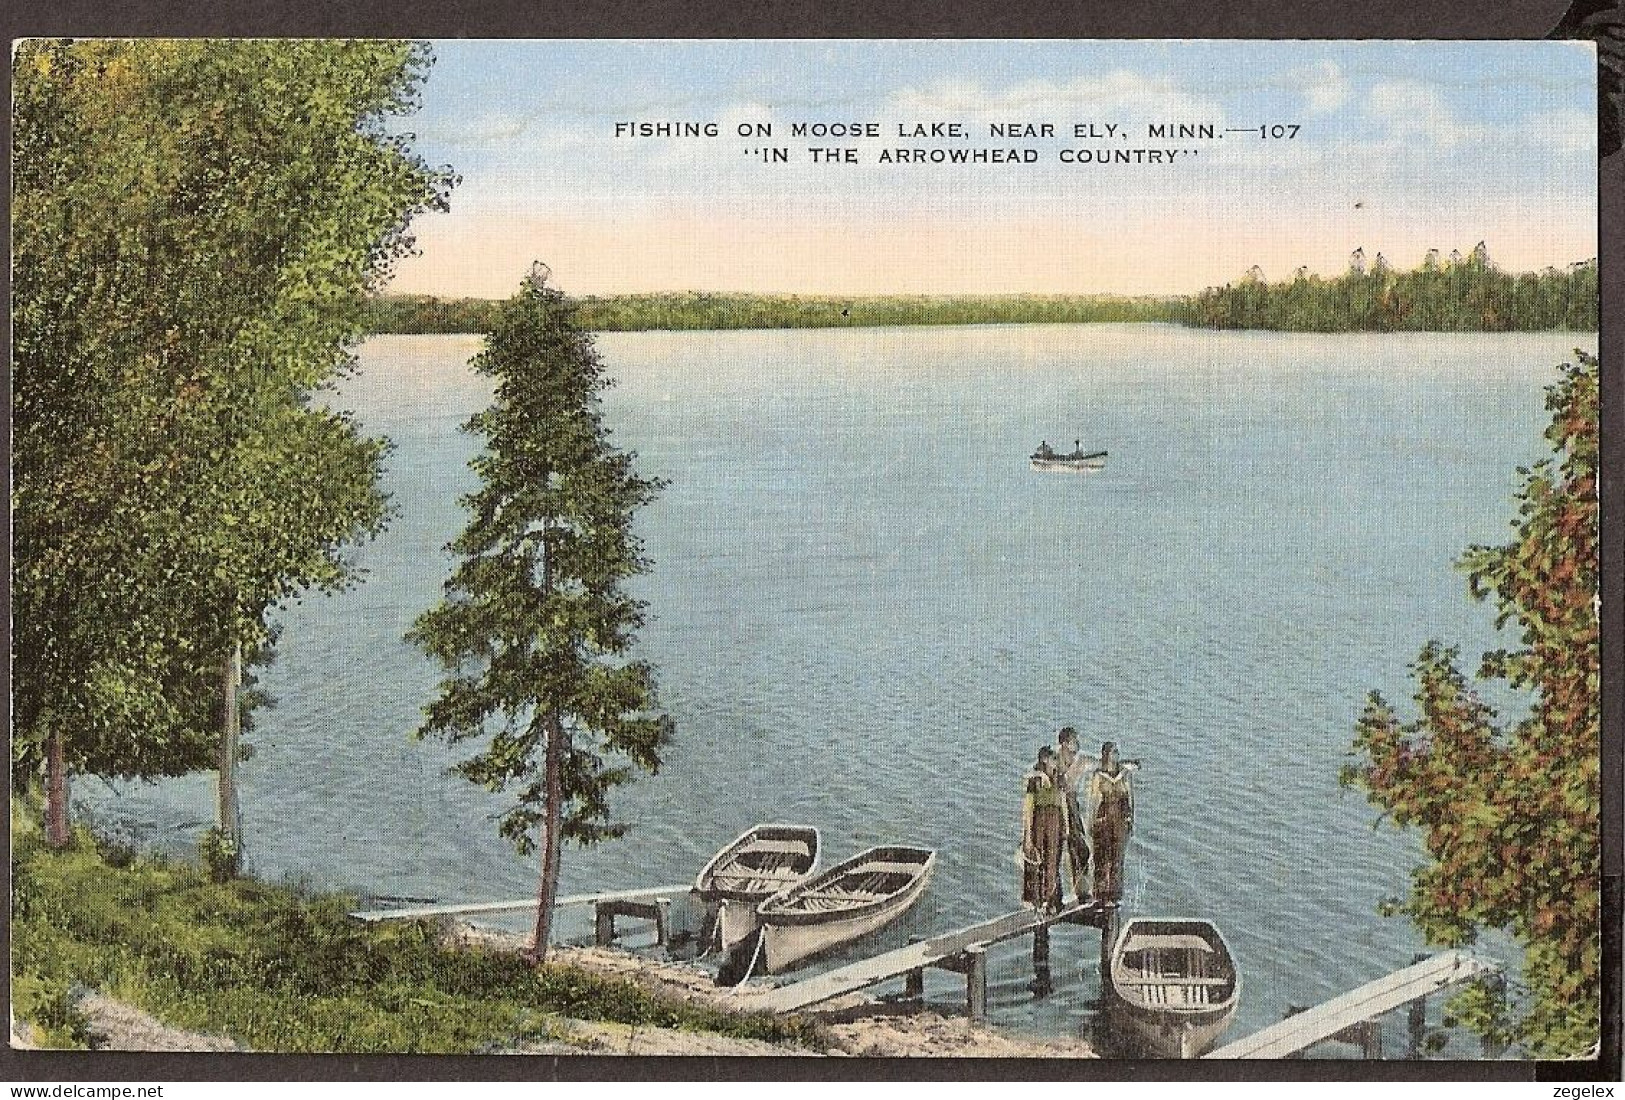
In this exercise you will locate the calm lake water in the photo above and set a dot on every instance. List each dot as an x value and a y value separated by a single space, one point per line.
868 613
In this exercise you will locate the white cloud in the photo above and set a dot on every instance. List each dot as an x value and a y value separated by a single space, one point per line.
1569 130
491 129
1412 110
1109 96
1324 87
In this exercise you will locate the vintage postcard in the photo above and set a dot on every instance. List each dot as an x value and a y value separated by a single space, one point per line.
1021 549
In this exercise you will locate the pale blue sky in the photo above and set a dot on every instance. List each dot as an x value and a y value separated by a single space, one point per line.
1440 144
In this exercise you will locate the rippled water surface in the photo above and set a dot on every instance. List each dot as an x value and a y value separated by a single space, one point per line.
868 612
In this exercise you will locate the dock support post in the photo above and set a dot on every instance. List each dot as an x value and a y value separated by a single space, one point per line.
914 980
1492 1047
662 920
1042 979
1416 1023
605 912
976 981
1416 1017
1371 1039
1108 940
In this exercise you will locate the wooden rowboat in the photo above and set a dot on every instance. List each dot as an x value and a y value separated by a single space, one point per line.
763 860
1173 987
851 899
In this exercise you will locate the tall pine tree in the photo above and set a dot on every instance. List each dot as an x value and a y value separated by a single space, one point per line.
536 626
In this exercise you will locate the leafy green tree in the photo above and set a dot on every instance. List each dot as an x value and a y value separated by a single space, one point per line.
195 225
536 625
1509 813
1465 294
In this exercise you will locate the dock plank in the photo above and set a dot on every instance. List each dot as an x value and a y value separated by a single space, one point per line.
897 963
453 909
1303 1030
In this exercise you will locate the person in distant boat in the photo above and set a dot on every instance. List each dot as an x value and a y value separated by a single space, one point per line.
1043 829
1111 797
1074 768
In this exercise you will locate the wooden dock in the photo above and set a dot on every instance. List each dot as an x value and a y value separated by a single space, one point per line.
607 905
964 951
457 909
1351 1014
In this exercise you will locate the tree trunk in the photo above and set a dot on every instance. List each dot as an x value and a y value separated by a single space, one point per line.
552 842
56 793
226 810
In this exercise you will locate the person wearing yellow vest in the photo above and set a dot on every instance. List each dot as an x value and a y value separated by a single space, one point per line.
1043 828
1112 797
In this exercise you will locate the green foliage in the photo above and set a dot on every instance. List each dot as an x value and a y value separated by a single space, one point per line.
1509 816
536 625
695 311
219 853
1456 295
278 970
194 226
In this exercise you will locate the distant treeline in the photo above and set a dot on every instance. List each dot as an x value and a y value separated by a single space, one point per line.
1454 294
639 312
1457 294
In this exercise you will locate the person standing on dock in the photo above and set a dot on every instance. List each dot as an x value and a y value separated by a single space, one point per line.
1074 769
1112 797
1043 830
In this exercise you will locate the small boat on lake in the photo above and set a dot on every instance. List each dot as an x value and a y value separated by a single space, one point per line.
1078 461
851 899
763 860
1173 987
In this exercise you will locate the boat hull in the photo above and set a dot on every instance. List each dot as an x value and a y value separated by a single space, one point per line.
760 862
1147 1034
1178 1005
1086 465
790 939
736 923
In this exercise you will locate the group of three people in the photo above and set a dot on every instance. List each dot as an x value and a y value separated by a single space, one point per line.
1053 822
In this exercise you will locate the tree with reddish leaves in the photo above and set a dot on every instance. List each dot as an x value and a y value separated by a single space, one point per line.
1509 813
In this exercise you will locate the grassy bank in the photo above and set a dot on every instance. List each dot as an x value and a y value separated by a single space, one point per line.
697 311
281 970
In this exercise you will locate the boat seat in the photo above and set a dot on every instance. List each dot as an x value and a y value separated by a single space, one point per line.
1169 995
909 869
753 883
789 847
833 895
1202 982
1147 941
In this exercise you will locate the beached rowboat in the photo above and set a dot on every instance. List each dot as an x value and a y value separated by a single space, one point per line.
1173 987
763 860
851 899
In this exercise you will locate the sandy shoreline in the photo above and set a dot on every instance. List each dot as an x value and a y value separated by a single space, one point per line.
856 1026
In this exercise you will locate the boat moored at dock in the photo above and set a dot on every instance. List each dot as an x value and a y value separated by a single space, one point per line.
759 863
1172 986
858 896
